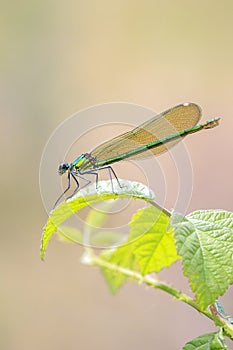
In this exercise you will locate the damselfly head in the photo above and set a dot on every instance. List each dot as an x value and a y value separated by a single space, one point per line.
63 167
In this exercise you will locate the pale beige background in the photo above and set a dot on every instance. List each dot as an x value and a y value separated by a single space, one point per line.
58 57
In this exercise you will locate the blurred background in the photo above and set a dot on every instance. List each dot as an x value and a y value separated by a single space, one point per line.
58 57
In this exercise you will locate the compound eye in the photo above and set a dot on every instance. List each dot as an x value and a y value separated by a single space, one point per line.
63 167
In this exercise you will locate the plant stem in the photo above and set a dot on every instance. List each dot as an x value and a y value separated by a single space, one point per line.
95 260
148 280
220 318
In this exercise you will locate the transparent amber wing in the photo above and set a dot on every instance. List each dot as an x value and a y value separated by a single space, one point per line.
169 122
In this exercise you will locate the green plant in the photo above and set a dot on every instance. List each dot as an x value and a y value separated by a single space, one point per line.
203 240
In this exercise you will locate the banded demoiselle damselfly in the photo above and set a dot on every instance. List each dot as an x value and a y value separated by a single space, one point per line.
151 138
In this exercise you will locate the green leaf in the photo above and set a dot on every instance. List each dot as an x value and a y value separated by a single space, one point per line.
205 242
69 234
101 238
155 249
151 247
210 341
97 216
89 196
105 239
121 256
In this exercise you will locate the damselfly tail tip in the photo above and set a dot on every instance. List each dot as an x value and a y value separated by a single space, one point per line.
212 123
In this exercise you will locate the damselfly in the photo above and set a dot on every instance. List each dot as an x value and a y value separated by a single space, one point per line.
151 138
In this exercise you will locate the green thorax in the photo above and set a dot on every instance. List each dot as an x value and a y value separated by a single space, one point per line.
84 162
